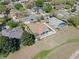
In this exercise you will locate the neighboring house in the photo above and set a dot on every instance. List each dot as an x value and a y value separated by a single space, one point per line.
32 18
56 23
14 14
44 14
40 30
35 9
63 13
14 33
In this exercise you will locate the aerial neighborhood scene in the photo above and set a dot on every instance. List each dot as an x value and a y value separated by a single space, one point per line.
39 29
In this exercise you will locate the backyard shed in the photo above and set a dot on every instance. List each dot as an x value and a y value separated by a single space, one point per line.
56 22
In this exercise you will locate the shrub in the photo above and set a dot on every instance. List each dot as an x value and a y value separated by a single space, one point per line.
27 39
74 20
12 24
47 8
70 2
18 6
8 45
29 6
67 6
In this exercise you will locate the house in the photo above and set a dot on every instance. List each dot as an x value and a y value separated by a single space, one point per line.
12 33
63 13
56 22
40 30
14 14
35 8
44 14
32 18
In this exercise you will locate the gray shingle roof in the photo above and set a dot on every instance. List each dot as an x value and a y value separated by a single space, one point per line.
14 33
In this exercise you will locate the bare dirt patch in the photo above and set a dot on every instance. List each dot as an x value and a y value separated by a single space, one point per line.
64 52
47 43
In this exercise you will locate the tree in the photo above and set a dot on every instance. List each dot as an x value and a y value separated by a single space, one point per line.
8 45
53 12
70 2
74 20
39 3
2 20
12 24
27 39
18 6
15 44
2 7
47 8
